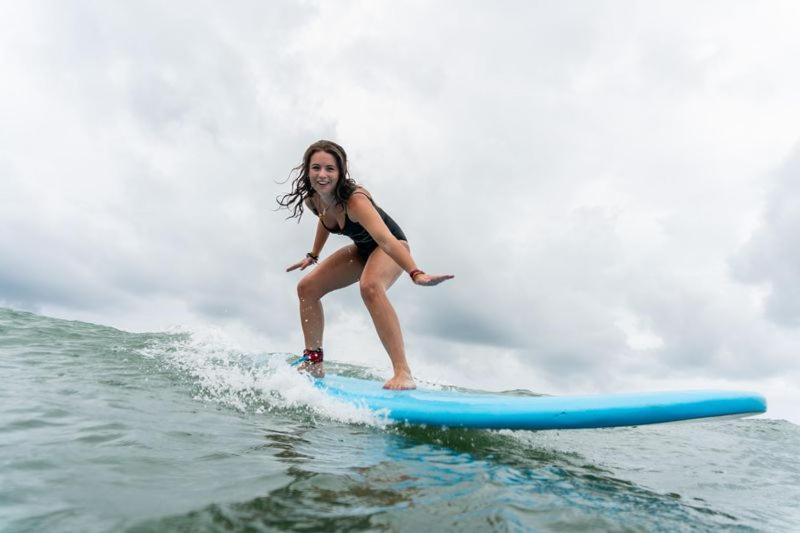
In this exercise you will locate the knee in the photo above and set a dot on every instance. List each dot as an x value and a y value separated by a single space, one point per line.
371 290
306 289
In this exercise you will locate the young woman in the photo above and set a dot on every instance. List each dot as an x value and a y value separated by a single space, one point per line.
378 256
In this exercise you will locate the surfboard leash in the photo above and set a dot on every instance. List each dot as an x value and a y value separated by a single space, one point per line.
310 356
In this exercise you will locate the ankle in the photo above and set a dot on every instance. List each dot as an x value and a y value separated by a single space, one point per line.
314 355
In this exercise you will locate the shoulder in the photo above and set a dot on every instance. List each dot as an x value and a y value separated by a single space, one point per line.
359 197
360 204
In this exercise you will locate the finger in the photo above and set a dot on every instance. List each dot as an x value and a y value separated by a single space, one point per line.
435 280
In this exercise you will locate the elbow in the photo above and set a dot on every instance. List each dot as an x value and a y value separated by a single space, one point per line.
385 243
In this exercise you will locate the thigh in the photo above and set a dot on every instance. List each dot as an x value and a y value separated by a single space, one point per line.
338 270
381 269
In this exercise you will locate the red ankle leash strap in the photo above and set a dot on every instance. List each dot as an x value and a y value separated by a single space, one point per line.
313 356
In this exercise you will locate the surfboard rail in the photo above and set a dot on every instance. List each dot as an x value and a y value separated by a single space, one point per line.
499 411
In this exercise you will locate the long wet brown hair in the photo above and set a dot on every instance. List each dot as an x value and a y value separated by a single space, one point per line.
301 184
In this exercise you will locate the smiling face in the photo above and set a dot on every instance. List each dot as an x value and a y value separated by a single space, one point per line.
323 172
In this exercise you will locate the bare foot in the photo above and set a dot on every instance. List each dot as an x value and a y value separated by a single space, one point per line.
400 382
314 369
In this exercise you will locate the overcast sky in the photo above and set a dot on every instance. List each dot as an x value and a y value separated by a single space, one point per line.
615 185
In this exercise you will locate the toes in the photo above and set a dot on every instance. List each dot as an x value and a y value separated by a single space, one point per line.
391 385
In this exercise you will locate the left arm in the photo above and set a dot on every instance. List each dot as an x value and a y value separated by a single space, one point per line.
368 216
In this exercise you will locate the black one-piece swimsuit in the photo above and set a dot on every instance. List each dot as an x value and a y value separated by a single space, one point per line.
361 237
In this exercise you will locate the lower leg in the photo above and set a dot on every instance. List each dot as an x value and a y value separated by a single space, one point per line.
390 334
312 320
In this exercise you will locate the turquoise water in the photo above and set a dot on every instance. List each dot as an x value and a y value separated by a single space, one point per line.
105 430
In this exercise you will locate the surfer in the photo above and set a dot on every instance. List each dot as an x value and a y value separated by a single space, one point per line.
378 256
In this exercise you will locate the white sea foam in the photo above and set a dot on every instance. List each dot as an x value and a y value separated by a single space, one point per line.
249 382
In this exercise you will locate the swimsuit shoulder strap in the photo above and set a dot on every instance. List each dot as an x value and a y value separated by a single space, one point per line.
363 191
359 190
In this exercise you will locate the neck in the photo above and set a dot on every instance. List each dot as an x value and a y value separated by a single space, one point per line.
327 200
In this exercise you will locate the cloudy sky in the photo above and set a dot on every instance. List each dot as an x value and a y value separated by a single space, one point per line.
615 185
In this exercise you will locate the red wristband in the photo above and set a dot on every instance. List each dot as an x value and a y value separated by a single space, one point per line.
414 272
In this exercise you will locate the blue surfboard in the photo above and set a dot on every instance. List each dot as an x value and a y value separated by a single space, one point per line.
504 411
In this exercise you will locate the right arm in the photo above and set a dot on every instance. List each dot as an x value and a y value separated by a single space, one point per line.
319 242
320 238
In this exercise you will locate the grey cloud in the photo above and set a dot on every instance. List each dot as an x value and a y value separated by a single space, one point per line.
191 151
771 257
552 296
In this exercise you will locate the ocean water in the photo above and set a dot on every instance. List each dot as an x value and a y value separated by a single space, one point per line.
104 430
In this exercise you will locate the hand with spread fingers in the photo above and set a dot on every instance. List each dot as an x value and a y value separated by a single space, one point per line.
307 261
422 278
